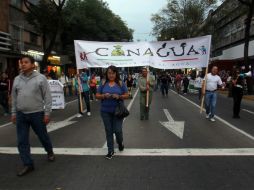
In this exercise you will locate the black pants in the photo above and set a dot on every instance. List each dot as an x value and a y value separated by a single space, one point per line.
164 89
185 90
237 94
86 96
93 91
4 101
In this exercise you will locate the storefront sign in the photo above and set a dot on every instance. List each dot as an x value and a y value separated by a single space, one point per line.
57 94
187 53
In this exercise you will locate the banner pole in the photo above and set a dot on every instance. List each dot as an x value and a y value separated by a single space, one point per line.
203 91
80 93
147 91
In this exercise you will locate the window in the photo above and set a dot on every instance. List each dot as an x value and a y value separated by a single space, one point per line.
33 38
17 3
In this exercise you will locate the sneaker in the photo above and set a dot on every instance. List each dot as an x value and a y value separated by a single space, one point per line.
84 111
109 156
79 115
121 147
88 113
212 119
207 116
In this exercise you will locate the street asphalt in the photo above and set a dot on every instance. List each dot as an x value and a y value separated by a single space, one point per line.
195 169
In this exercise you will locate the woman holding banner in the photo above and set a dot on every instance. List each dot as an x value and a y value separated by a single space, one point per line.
146 84
110 92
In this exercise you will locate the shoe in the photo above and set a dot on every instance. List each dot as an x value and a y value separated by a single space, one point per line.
212 119
121 147
141 118
88 113
79 115
51 157
110 155
236 117
84 111
207 116
25 170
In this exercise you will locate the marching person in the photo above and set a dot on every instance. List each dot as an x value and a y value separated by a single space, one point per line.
129 83
85 91
185 84
110 92
4 92
145 86
210 92
64 80
198 84
31 107
164 80
178 82
237 93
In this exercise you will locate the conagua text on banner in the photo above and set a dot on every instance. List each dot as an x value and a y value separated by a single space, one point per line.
187 53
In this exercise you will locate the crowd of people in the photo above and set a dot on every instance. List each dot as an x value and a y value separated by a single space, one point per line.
111 89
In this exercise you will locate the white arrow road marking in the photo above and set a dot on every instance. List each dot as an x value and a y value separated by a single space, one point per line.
183 152
52 126
176 127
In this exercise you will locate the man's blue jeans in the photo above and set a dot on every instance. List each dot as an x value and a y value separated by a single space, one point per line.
35 120
210 100
112 125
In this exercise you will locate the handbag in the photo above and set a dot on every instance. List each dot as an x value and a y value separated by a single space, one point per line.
121 111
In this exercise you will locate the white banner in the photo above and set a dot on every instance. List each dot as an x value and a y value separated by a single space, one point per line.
57 93
188 53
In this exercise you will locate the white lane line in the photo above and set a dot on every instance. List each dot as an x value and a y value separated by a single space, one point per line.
220 119
6 124
129 108
183 152
70 102
251 112
52 126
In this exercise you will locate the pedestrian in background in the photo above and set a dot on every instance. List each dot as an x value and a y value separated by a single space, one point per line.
213 80
178 82
145 86
164 81
93 86
237 93
85 90
198 84
5 86
129 83
64 80
185 84
31 107
110 92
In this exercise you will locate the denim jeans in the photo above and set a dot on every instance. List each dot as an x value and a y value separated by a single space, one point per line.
210 100
112 125
35 120
164 89
86 96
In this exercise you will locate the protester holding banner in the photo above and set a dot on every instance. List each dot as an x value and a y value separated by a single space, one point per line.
210 92
85 91
31 106
145 84
110 92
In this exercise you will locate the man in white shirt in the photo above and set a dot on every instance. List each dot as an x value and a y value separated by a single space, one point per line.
212 83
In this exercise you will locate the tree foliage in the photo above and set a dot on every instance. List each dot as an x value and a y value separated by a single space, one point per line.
181 18
92 20
46 17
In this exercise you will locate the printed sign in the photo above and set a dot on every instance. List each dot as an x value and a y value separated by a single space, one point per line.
57 93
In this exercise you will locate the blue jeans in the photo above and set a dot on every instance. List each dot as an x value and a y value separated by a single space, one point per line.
86 96
210 100
112 125
35 120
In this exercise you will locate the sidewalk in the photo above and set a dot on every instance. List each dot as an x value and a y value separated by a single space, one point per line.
245 97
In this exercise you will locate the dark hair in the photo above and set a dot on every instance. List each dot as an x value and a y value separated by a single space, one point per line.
115 70
28 57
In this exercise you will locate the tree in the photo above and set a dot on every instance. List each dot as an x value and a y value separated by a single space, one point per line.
46 17
181 18
92 20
